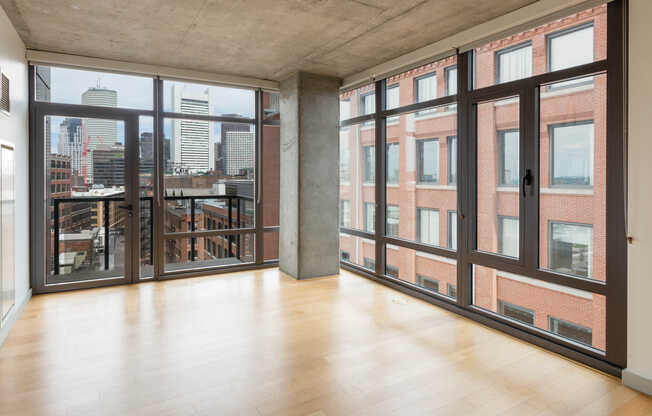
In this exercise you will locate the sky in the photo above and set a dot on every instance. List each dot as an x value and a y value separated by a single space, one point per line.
135 92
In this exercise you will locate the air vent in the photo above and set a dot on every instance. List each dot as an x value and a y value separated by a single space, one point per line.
4 99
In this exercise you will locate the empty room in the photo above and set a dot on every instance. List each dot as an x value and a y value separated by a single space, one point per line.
325 207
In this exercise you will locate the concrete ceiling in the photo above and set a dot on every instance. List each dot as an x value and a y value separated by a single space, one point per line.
267 39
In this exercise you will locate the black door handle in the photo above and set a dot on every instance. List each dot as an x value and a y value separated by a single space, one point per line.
527 181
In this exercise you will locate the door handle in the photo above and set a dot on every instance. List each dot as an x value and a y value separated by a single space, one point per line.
527 181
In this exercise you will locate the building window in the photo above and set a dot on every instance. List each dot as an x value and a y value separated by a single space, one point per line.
393 165
451 80
345 256
570 330
518 313
569 48
369 164
345 110
572 154
369 263
427 283
452 230
391 271
451 142
345 214
392 221
571 248
393 101
428 226
369 217
368 104
514 63
508 236
425 89
451 290
508 158
428 161
344 158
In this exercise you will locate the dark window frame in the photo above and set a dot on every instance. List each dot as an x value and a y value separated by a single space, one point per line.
419 158
551 161
551 223
507 50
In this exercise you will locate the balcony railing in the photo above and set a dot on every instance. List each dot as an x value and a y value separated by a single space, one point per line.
106 202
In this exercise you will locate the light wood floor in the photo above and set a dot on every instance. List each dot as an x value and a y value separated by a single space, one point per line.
260 343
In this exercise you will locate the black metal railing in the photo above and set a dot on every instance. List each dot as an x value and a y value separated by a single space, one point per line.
106 201
238 222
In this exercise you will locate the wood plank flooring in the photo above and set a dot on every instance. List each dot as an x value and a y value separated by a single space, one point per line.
260 343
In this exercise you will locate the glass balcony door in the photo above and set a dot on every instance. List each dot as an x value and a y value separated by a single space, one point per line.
92 198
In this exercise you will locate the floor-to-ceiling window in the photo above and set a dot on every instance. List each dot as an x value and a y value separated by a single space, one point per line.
492 194
149 178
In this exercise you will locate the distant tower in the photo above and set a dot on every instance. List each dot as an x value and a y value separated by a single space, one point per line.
98 132
192 148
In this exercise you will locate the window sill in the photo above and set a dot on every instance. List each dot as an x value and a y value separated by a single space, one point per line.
507 189
392 185
437 187
567 191
437 114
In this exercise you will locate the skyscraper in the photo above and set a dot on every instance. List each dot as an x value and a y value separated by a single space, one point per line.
191 147
239 153
70 141
98 132
221 156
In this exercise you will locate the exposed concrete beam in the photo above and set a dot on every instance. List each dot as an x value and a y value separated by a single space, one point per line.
524 18
75 61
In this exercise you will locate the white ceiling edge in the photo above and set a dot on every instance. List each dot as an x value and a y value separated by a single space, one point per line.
519 20
84 62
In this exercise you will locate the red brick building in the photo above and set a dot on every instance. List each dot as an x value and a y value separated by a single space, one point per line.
421 177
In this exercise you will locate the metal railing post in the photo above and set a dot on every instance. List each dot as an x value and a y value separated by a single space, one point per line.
107 217
56 236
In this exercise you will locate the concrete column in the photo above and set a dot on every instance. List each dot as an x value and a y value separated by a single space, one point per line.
309 196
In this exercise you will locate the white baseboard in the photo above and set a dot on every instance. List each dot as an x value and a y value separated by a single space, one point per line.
637 382
13 316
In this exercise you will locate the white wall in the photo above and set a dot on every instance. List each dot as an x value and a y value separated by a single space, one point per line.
639 256
13 129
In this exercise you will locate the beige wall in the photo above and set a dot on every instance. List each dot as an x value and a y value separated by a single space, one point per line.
639 357
13 130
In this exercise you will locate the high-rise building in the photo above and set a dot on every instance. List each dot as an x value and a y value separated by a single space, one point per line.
96 131
239 153
71 141
220 154
191 147
109 166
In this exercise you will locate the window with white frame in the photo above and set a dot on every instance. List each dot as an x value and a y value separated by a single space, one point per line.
514 63
571 248
393 101
428 226
508 236
451 80
452 230
393 164
425 89
572 154
392 221
508 157
369 217
345 109
345 214
345 157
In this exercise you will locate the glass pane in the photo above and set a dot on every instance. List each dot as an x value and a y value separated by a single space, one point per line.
572 314
358 250
271 168
436 273
191 98
358 102
146 180
358 176
208 164
573 199
270 249
498 177
206 252
85 186
422 176
104 89
576 39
